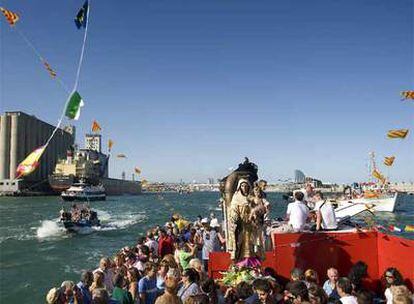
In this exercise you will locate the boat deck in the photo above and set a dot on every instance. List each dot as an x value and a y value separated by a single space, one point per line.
341 249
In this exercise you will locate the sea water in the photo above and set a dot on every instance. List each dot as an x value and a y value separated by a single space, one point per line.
37 254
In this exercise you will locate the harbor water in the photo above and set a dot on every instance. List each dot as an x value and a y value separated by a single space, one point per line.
37 254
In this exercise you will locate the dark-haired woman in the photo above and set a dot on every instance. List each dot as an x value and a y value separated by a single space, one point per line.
190 286
392 277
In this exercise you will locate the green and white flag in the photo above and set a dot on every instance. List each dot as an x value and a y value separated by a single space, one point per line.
74 106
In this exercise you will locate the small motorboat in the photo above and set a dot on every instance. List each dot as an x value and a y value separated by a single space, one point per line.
84 192
79 219
382 203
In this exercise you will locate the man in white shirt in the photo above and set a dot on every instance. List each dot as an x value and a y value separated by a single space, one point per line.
325 214
297 212
344 288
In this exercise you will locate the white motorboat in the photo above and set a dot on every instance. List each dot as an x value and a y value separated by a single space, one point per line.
383 203
84 192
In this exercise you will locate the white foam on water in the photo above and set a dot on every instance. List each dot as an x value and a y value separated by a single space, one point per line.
119 221
49 229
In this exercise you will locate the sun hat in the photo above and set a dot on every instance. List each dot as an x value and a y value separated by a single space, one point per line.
53 295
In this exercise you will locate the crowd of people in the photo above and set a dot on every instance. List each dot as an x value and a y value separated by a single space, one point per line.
170 265
78 212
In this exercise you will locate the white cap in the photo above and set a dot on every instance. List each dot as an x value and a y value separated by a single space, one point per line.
204 221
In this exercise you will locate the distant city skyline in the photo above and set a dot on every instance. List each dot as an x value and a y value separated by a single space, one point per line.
187 89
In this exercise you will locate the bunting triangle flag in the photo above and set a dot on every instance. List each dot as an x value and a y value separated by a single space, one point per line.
74 106
52 73
96 127
389 160
407 95
397 133
11 17
82 15
30 163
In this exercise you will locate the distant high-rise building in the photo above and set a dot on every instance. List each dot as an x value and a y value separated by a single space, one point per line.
299 177
93 142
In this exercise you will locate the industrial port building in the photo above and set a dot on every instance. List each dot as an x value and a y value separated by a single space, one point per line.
20 134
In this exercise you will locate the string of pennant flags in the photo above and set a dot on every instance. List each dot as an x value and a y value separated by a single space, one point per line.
74 102
393 134
95 128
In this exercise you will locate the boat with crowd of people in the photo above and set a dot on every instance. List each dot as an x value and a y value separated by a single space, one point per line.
79 218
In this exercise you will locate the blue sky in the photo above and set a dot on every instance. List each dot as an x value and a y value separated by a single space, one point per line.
186 89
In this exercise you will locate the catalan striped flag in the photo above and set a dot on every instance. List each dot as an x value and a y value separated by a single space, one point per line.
11 17
96 127
397 133
52 73
378 175
389 160
407 95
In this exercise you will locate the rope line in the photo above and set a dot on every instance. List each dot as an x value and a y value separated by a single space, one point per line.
75 87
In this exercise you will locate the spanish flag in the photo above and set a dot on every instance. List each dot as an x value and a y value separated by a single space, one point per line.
397 133
407 95
30 163
96 127
11 17
389 160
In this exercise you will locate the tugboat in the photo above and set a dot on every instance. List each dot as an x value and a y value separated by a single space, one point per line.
80 217
84 192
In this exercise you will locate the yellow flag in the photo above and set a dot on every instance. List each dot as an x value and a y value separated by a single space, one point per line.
389 160
11 17
96 127
407 95
397 133
378 175
30 163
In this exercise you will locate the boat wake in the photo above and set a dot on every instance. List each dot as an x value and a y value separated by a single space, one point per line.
118 221
50 229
